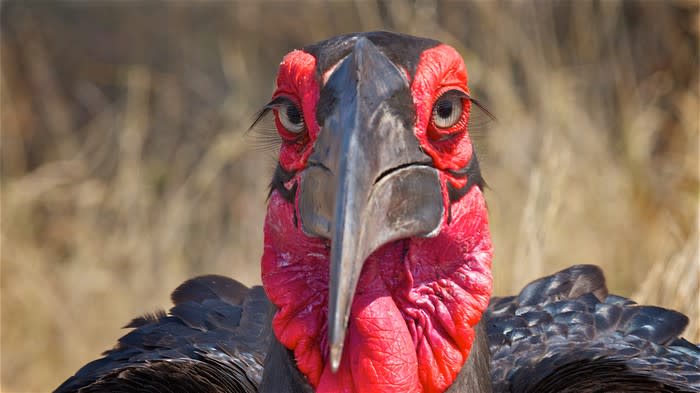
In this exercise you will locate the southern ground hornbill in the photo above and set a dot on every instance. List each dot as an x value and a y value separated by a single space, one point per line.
377 263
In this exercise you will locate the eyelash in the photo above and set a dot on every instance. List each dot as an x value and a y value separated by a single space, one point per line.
456 123
284 120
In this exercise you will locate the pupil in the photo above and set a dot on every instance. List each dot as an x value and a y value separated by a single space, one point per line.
293 114
444 109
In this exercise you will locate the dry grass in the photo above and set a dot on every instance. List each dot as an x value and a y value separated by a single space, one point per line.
125 169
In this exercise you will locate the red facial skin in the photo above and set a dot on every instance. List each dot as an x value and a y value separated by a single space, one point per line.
296 80
417 300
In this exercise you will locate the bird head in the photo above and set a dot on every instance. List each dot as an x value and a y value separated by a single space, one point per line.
377 249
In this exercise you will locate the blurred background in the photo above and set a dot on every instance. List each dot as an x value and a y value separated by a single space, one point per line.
126 167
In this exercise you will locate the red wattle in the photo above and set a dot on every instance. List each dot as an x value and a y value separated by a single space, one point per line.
380 355
413 313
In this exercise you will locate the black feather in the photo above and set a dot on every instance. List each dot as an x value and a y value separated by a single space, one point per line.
564 333
207 287
214 339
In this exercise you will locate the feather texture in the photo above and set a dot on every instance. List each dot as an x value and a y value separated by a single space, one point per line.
214 339
562 333
565 333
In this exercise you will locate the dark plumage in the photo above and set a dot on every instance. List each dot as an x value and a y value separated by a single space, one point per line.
562 333
565 333
214 339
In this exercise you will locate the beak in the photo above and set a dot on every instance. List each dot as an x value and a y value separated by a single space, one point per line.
368 182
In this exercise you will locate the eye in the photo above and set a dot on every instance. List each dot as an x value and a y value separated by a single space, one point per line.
447 110
290 117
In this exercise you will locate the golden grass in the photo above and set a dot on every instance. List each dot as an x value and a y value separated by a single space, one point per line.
125 169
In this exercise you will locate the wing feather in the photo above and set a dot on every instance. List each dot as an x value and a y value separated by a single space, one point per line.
565 333
214 339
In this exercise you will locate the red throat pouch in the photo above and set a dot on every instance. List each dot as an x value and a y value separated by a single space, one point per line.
412 319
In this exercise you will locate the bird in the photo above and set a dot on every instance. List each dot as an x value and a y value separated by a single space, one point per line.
376 268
